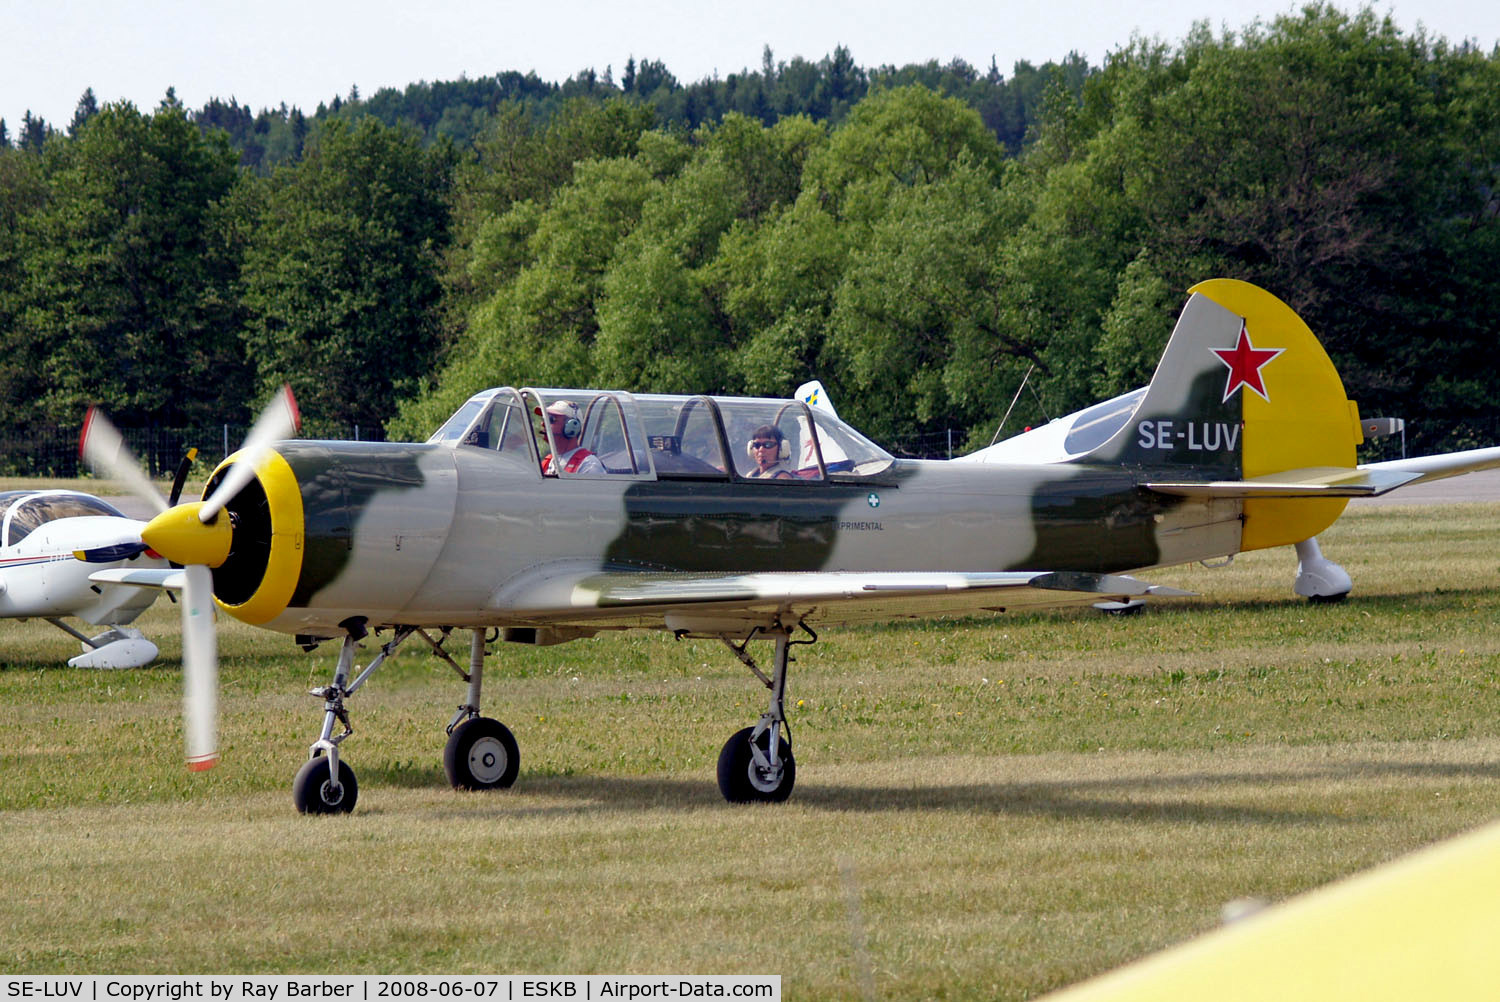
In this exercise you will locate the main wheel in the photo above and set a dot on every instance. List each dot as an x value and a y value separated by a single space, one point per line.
314 794
481 755
743 782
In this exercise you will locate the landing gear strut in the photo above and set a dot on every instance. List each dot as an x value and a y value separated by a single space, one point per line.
326 785
756 764
481 753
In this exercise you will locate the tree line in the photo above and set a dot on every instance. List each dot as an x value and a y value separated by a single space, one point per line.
892 244
461 111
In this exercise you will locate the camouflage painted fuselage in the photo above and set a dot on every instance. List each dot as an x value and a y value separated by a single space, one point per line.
456 536
1243 440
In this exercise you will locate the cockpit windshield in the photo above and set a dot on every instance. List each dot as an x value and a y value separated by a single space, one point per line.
21 512
452 431
601 433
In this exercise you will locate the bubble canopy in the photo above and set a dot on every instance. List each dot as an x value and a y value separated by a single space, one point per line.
650 436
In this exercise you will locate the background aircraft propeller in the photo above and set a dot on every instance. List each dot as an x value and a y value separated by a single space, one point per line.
171 534
181 476
128 548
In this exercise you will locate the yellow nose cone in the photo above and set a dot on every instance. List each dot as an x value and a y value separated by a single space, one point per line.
178 535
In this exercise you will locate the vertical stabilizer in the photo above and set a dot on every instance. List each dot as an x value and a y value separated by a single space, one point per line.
1243 390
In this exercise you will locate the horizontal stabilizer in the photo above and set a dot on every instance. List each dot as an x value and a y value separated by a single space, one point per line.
166 579
1451 464
1314 482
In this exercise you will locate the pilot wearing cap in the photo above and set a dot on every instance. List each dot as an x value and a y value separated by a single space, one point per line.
566 425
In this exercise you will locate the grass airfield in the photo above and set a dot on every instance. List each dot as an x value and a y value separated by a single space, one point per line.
985 809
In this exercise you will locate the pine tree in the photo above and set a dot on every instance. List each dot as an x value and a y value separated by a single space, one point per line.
88 107
34 132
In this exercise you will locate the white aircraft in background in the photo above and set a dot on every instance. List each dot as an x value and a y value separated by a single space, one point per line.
41 533
39 578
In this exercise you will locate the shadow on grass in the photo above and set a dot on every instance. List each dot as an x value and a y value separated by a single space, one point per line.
1199 604
1173 798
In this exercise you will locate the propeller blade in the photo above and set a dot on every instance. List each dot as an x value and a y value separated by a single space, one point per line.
181 476
103 447
200 669
278 421
109 554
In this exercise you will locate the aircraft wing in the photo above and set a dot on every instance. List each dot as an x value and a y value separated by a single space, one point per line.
717 603
1321 482
166 579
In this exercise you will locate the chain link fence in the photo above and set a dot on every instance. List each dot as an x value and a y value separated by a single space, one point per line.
1421 437
53 452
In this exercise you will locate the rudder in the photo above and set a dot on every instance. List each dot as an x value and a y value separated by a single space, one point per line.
1244 390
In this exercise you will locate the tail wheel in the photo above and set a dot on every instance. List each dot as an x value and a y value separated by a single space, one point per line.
743 780
314 794
481 755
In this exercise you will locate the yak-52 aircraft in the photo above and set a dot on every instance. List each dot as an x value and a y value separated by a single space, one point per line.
40 530
743 519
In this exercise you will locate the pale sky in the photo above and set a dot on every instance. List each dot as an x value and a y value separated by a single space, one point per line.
303 52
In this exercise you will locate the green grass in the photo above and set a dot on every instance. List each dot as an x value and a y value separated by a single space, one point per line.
1012 803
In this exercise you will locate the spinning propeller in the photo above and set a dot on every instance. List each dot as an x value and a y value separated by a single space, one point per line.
196 537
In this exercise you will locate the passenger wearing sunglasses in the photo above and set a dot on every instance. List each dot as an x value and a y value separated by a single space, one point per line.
769 449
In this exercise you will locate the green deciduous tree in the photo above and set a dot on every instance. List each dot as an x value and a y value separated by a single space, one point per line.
22 192
341 275
125 293
1325 156
539 327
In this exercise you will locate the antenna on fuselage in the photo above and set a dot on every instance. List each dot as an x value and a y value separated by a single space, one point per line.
1029 371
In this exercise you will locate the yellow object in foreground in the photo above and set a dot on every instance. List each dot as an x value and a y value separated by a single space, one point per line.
1420 928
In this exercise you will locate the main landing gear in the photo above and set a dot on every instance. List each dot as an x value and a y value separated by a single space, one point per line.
756 764
481 753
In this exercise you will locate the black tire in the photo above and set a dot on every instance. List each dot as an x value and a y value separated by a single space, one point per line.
742 782
313 794
481 754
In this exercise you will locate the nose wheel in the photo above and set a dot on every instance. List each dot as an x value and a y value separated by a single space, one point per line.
481 753
314 792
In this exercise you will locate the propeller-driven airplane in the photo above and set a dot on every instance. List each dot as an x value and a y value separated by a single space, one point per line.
40 530
1244 439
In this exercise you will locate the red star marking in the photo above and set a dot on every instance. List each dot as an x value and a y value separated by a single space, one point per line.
1245 362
